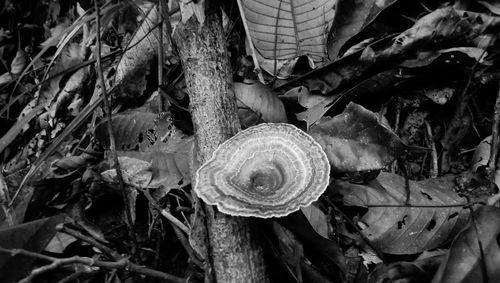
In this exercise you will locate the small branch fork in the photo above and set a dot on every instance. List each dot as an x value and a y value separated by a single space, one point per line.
55 263
494 138
119 261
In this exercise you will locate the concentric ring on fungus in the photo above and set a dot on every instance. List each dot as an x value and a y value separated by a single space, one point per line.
269 170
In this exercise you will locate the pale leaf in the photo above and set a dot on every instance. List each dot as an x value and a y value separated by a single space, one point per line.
356 141
285 30
481 154
262 100
19 62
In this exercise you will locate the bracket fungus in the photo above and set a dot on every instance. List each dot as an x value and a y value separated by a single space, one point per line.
269 170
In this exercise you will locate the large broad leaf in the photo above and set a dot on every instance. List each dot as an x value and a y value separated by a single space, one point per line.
394 228
350 18
371 89
469 262
356 141
420 270
33 236
442 24
281 31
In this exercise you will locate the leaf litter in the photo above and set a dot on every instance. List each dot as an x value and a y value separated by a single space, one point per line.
408 118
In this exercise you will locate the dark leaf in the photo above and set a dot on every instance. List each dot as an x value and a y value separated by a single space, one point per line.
469 262
374 88
300 226
33 236
428 222
350 18
356 141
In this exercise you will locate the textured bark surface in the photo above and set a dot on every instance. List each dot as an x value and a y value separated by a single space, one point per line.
233 250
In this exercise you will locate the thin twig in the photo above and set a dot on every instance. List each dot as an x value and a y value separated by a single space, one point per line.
164 212
409 205
84 114
123 263
174 221
75 68
73 277
494 138
116 256
250 43
434 172
111 253
112 142
275 47
482 262
179 228
394 165
160 55
187 246
10 214
63 72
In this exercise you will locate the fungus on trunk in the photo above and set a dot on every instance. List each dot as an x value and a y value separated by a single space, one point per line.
269 170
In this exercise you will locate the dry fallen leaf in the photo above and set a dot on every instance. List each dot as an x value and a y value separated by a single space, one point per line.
428 222
356 141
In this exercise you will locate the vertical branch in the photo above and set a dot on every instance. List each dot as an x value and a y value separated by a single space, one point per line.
233 249
250 43
494 138
160 54
107 105
10 214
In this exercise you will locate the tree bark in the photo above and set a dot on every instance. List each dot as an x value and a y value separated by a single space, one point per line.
232 250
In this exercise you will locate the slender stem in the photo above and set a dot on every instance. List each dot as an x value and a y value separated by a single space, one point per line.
123 263
250 43
10 215
482 262
112 142
174 221
494 138
180 229
111 253
160 54
84 114
434 172
423 206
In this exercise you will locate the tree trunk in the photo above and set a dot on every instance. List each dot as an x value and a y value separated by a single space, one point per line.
232 250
